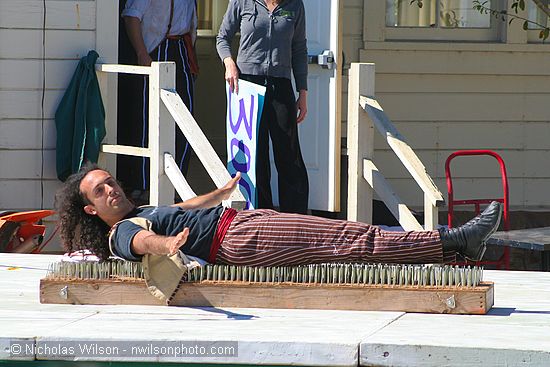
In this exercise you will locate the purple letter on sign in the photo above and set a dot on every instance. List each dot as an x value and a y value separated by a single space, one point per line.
243 167
242 116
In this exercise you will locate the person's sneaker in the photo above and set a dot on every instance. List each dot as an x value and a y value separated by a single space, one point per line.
469 239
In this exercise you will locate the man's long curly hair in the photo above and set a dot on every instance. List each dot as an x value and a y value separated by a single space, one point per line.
79 230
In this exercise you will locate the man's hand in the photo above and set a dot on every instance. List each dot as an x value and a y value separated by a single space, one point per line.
146 242
144 59
301 106
229 187
231 74
174 243
212 198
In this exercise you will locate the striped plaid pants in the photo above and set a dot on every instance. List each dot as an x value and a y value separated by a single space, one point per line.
268 238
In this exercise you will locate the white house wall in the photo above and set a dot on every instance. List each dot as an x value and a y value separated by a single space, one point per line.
71 31
442 96
446 96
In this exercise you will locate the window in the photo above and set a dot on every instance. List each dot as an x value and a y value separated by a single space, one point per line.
452 20
210 15
536 15
436 13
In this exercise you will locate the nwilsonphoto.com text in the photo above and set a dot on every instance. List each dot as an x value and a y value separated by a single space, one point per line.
64 349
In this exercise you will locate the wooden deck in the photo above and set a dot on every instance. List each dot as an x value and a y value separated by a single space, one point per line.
515 332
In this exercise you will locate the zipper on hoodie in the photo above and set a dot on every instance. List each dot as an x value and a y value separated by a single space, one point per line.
271 21
271 17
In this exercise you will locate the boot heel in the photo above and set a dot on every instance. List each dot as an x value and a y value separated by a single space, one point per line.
480 253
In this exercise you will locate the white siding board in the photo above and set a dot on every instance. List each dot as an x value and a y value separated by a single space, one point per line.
480 135
463 62
537 135
519 164
60 44
523 192
27 104
27 134
26 194
26 164
464 107
391 167
534 164
536 192
426 83
27 74
487 188
417 135
59 14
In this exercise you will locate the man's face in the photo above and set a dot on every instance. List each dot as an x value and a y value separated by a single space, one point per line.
107 200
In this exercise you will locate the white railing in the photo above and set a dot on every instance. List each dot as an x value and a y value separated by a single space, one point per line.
364 114
165 108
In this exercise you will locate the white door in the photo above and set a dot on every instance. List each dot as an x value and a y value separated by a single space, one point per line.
320 131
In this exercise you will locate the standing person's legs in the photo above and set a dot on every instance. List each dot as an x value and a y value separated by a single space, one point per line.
278 121
268 238
174 50
169 50
283 130
185 88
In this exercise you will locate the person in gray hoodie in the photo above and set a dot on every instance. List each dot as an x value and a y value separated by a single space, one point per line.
272 46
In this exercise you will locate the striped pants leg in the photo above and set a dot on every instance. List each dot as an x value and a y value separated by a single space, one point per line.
268 238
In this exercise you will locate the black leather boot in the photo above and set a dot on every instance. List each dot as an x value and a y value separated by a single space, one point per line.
469 239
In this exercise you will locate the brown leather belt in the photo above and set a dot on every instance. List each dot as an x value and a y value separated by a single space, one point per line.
192 56
178 37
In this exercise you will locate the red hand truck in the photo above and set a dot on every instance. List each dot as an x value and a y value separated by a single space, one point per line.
504 260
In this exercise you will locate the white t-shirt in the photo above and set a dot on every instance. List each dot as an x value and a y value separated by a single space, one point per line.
155 16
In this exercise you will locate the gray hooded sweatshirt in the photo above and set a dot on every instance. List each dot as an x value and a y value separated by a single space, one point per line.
272 44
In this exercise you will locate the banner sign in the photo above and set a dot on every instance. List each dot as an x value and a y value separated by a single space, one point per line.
244 111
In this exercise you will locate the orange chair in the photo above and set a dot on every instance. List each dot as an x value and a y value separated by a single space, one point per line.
20 233
504 260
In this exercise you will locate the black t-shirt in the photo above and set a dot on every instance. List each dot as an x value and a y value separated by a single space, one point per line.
169 221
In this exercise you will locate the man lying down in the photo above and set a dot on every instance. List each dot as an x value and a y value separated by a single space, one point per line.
95 215
91 206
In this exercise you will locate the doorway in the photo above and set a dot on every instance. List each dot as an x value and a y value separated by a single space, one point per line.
209 104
